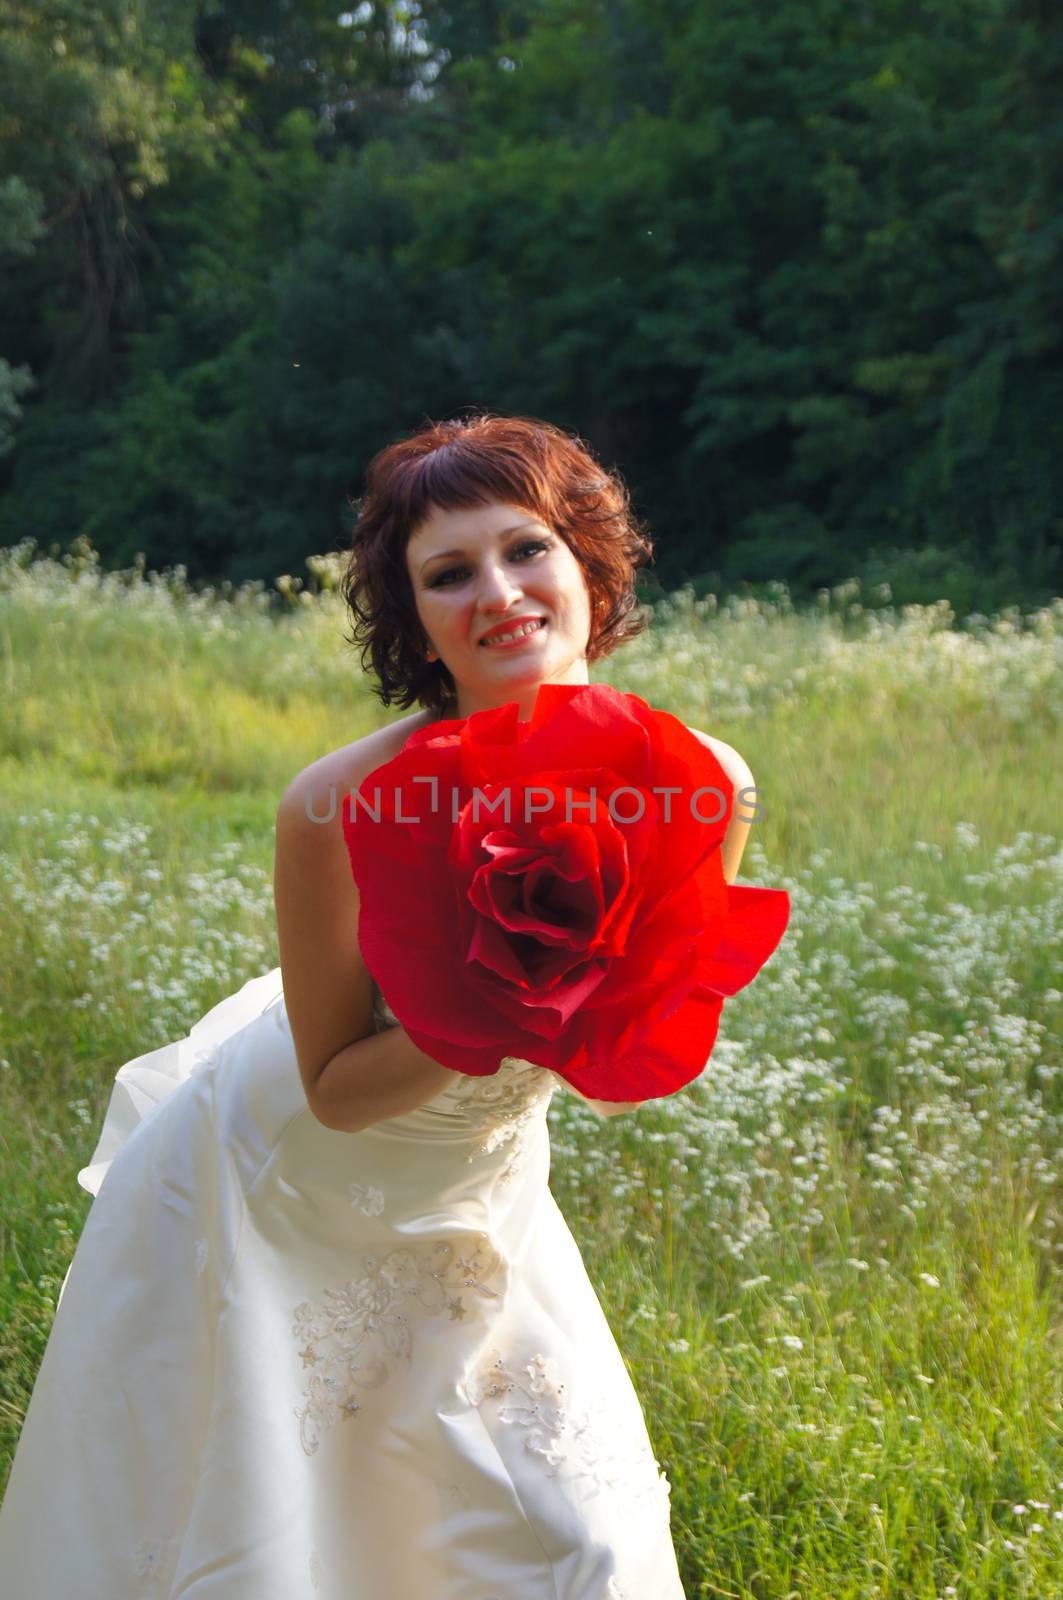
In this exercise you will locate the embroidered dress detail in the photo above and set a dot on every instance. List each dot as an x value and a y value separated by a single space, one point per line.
351 1337
366 1198
508 1107
533 1397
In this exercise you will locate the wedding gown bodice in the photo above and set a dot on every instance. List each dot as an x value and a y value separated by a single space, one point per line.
494 1113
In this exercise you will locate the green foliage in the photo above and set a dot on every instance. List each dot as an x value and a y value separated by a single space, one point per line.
20 227
14 382
794 268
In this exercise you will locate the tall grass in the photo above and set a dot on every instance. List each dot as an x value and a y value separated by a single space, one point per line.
833 1262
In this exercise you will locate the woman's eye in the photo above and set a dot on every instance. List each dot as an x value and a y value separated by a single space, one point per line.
450 572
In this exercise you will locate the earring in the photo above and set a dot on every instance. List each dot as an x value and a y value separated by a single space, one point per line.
430 654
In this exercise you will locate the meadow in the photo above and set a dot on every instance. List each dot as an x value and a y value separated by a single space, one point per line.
834 1262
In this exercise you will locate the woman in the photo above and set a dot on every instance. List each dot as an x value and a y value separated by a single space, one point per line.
326 1331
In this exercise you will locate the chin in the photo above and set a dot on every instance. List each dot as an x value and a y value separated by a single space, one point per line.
521 672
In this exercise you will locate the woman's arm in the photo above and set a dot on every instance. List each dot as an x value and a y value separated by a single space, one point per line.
743 814
373 1079
352 1076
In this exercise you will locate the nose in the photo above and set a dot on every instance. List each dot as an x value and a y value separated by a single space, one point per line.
496 591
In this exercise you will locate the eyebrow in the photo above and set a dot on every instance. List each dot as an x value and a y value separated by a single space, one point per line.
440 555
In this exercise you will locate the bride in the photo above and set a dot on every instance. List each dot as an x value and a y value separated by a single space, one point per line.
326 1332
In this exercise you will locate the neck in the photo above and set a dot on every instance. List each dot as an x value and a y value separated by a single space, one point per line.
461 705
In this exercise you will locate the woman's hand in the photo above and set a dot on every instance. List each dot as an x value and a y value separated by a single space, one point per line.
604 1108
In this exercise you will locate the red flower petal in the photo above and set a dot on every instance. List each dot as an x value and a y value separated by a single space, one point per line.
596 941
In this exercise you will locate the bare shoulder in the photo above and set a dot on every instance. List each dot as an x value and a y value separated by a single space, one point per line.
735 766
314 790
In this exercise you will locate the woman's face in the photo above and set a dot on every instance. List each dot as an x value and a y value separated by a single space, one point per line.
478 571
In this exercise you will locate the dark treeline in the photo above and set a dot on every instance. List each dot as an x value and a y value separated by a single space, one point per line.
794 266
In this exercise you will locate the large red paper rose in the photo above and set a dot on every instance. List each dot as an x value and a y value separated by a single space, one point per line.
502 915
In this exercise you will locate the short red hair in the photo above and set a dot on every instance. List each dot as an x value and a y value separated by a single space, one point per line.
468 462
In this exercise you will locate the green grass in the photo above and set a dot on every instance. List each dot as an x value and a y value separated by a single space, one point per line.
833 1262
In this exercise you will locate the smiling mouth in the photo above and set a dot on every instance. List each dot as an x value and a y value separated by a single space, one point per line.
515 635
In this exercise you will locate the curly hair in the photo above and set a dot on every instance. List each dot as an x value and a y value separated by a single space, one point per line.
472 461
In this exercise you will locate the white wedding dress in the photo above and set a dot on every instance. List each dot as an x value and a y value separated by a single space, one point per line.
295 1364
